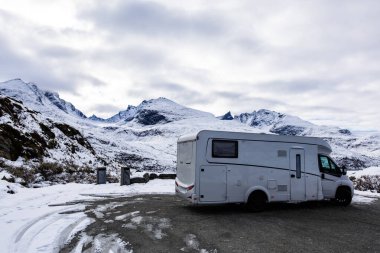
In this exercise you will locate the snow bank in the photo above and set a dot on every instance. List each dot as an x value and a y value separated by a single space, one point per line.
371 171
7 188
367 179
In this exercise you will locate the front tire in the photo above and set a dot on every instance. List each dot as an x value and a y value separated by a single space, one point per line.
343 197
257 201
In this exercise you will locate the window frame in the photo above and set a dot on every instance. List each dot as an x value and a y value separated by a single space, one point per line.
236 149
336 172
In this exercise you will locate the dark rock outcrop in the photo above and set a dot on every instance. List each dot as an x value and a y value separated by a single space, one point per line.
15 144
150 117
227 116
288 130
344 131
75 135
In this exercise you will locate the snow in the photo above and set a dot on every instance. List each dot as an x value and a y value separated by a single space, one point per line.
102 243
363 198
38 99
43 219
6 188
137 220
153 226
81 225
124 216
108 243
192 244
371 171
83 242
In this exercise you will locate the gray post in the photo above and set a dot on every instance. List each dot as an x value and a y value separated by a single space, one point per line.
125 176
101 176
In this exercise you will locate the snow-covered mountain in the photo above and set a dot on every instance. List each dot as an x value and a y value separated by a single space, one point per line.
282 124
151 112
37 126
354 150
36 99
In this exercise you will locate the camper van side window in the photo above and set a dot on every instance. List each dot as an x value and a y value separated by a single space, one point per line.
224 149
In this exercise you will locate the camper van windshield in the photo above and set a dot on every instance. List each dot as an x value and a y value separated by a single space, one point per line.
327 165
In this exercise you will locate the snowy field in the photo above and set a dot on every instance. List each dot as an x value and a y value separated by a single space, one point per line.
43 219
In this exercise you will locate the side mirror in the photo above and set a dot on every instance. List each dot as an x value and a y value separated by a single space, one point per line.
344 170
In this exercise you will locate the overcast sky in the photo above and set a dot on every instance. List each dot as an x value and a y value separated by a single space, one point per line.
319 60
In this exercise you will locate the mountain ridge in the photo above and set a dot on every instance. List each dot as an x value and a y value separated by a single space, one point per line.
142 137
35 97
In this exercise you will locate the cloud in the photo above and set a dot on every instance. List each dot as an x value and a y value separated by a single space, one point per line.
14 65
135 57
315 59
105 109
297 86
177 92
58 52
48 65
152 19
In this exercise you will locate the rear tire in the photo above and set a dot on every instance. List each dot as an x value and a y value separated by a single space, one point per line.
343 196
257 201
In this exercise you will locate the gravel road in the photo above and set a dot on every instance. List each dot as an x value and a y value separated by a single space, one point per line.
165 223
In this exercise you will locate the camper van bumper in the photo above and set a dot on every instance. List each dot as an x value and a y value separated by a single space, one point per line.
191 197
185 192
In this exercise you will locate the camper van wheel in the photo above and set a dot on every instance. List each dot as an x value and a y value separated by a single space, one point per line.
343 196
257 201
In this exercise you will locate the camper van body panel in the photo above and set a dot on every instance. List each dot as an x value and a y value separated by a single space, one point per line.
226 167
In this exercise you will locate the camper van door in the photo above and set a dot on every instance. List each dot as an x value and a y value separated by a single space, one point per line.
213 183
297 175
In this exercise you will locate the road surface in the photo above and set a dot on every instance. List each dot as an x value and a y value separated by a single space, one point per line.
165 223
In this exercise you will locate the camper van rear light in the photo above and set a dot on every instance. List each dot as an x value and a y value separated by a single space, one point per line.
190 187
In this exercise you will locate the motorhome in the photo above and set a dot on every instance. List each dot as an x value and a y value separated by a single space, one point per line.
215 167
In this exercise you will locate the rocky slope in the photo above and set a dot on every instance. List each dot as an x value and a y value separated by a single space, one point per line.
37 126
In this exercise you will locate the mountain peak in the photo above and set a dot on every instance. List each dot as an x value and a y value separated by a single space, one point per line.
153 111
159 100
96 118
227 116
35 98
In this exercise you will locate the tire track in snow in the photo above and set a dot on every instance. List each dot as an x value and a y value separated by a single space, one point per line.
49 232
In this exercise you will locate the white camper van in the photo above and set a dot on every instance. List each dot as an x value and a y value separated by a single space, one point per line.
215 167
